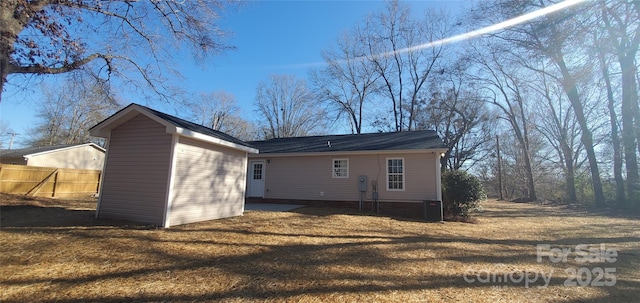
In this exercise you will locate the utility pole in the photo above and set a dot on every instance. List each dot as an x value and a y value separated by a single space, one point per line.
13 135
499 166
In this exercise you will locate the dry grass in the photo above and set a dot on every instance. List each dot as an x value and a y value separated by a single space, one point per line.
54 250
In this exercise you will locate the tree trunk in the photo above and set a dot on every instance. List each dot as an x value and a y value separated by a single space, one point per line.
6 49
626 40
569 86
529 172
527 154
3 75
569 174
9 30
636 113
615 138
629 95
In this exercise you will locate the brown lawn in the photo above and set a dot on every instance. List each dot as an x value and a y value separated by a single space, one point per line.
54 250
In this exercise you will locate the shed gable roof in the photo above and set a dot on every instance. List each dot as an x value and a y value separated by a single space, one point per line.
409 140
173 124
35 151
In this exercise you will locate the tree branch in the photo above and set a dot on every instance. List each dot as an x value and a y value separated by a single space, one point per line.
41 69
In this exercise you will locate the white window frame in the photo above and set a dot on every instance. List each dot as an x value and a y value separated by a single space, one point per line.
402 174
334 170
253 170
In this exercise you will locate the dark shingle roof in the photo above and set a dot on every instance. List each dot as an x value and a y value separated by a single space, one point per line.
192 126
408 140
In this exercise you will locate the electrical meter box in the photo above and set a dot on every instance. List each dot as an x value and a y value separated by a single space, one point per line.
362 183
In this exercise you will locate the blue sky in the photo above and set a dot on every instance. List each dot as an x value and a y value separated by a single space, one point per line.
271 37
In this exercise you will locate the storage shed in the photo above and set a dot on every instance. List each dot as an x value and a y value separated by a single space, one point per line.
167 171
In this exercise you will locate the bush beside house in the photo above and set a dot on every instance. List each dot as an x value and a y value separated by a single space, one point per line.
461 193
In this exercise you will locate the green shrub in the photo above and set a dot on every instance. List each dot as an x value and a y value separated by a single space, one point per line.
461 193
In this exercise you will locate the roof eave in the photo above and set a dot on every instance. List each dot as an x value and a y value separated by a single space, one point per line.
357 152
27 156
104 128
210 139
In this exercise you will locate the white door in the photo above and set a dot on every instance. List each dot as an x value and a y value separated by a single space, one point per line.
256 179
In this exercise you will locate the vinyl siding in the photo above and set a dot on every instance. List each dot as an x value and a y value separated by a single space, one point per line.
310 177
137 172
81 157
209 182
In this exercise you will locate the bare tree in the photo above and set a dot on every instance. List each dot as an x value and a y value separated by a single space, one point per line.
347 82
622 22
558 38
460 117
500 80
213 109
616 143
390 38
241 128
513 169
557 123
218 110
67 112
288 108
59 36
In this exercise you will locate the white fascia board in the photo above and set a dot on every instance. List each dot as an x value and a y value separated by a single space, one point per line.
438 179
103 128
168 203
98 147
101 182
203 137
347 153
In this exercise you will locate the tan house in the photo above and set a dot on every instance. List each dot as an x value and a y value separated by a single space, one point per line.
166 171
76 156
399 170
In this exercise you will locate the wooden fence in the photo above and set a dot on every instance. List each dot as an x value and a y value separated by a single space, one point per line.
48 181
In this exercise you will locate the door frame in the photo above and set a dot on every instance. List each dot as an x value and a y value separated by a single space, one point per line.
250 184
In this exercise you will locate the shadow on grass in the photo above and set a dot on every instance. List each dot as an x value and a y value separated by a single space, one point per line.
38 217
303 268
283 264
541 208
326 211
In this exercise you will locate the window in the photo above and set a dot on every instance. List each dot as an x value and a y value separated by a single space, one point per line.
257 171
341 168
395 174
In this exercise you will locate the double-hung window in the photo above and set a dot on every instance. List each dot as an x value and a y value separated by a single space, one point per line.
395 174
341 168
